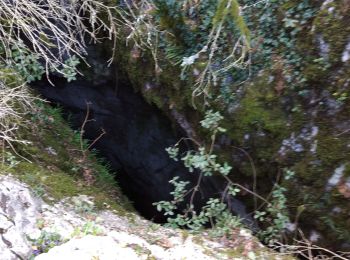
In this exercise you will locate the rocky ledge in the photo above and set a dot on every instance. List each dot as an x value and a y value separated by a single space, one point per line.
73 229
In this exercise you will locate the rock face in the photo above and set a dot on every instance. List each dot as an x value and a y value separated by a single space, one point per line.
72 229
19 211
290 116
120 246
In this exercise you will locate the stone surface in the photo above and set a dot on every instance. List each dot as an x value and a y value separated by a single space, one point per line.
19 211
32 228
89 247
290 115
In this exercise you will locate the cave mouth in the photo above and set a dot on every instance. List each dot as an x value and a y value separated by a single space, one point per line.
136 135
134 143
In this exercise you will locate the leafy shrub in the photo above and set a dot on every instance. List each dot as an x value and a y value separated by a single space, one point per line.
216 212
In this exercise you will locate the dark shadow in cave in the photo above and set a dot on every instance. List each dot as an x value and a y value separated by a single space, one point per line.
135 140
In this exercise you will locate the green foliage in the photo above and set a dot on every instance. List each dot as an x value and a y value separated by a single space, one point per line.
10 159
173 152
215 212
45 242
276 215
105 174
288 174
286 52
211 121
83 205
210 39
277 25
235 13
89 228
341 97
202 159
30 67
178 194
27 64
69 68
39 190
43 35
56 166
205 162
52 116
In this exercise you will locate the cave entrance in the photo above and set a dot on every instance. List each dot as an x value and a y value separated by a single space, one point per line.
135 139
136 135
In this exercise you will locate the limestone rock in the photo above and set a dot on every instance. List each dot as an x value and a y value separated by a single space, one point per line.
29 227
90 247
19 210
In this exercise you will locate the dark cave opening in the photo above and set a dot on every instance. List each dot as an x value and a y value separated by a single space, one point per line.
137 134
135 140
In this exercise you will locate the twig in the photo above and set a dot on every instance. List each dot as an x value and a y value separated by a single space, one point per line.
253 169
82 131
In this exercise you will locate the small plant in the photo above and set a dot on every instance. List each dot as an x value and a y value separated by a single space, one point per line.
288 174
83 205
45 242
56 34
208 37
341 97
69 68
39 190
275 215
27 64
89 228
11 160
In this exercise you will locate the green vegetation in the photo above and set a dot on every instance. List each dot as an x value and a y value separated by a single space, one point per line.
45 242
283 112
58 170
37 145
215 212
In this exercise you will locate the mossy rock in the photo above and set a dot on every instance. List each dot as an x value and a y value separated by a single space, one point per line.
265 116
53 164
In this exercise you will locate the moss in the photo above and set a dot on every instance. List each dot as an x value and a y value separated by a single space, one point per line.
309 187
314 170
259 122
332 23
9 76
56 162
